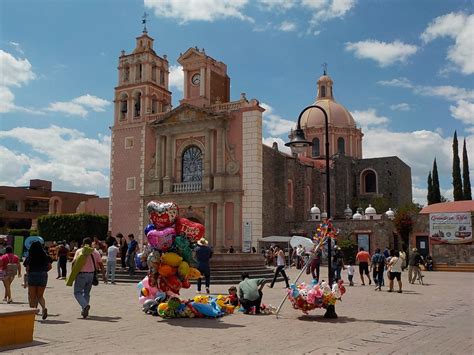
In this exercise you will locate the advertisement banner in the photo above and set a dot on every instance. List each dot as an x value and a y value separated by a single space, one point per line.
452 228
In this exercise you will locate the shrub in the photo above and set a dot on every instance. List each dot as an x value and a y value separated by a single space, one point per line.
72 227
24 232
348 248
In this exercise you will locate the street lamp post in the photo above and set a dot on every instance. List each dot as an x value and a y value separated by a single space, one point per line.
298 144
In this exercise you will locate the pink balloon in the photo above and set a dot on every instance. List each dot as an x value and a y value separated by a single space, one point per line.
161 239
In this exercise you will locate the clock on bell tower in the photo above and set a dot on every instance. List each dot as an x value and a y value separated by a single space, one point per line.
205 79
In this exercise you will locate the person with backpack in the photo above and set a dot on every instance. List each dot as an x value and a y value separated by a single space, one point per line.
9 267
378 266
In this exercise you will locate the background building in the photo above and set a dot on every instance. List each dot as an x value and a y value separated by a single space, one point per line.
207 156
21 206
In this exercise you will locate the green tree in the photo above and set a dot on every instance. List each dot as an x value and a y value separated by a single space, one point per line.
429 197
436 191
465 174
404 221
457 182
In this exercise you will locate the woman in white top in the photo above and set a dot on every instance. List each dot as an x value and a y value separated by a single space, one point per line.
280 255
395 268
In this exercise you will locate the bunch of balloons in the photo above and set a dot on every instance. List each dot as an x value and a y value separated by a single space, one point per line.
325 230
315 295
199 307
169 254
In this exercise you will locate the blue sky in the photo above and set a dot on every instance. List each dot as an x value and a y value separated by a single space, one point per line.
403 68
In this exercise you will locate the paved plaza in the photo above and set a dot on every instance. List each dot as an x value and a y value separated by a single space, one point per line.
433 319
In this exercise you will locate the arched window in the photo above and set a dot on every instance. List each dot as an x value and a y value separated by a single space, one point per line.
138 104
323 91
123 106
192 164
153 72
341 147
315 149
154 105
370 182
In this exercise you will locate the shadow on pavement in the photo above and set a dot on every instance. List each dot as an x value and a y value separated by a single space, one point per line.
52 321
201 323
103 319
320 318
22 346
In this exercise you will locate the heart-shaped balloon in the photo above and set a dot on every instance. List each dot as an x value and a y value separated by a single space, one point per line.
192 230
161 239
162 214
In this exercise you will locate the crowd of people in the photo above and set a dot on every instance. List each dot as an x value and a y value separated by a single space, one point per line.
248 295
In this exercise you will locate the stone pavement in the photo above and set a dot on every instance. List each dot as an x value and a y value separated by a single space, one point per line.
433 319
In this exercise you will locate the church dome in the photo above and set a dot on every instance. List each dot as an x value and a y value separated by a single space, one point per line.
315 210
338 115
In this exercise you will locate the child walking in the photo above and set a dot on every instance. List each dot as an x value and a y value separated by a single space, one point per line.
350 273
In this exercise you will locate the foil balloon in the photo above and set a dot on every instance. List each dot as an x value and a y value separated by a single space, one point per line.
162 214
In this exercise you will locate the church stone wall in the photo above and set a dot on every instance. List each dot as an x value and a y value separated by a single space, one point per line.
278 217
393 180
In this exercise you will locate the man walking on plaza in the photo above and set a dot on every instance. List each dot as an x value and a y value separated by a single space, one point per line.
83 281
250 293
414 262
112 252
131 252
280 255
203 255
378 266
363 257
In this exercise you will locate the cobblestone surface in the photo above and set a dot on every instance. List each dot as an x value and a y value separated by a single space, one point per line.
433 319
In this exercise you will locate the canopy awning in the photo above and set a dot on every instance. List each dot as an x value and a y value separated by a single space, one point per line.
275 239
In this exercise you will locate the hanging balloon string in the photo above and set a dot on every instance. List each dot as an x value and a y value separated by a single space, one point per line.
315 250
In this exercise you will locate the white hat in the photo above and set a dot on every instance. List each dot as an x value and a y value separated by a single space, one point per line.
202 241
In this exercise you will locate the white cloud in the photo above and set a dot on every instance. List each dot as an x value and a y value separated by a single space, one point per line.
325 10
93 102
460 27
403 106
287 26
400 82
63 155
464 98
369 117
79 106
464 111
17 47
280 5
274 124
382 52
196 10
176 77
14 72
281 144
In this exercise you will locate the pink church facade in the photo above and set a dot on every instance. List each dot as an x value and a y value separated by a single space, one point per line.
205 154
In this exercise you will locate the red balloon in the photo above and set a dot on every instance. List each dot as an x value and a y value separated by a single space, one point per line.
186 283
162 214
192 230
173 283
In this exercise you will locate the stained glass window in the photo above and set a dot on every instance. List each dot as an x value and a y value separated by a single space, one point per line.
192 164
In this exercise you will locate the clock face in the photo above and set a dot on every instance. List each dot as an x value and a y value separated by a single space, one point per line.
196 79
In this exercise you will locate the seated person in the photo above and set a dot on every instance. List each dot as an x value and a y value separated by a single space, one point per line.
429 263
250 293
232 298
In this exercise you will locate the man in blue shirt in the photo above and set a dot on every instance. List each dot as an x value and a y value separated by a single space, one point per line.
131 251
203 255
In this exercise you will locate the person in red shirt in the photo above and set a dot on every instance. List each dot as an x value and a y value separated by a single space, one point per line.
9 267
363 257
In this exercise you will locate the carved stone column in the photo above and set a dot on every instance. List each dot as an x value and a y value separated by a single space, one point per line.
206 182
167 180
220 160
207 222
220 226
158 164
